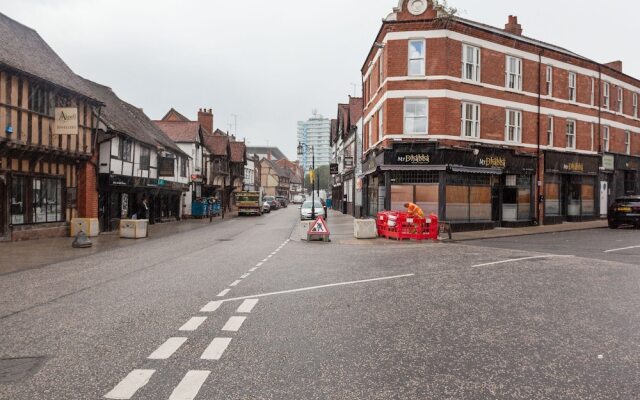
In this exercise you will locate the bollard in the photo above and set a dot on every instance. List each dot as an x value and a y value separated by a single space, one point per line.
81 241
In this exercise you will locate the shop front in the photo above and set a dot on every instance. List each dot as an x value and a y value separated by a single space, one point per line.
570 187
477 188
626 175
121 197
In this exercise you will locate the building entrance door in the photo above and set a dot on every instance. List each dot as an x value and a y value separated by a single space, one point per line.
604 198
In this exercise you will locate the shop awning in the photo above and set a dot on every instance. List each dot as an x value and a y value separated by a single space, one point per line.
473 170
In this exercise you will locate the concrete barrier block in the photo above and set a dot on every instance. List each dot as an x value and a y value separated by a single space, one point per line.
134 228
90 226
365 229
303 228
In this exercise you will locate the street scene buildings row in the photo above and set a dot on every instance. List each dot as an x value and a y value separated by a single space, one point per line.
487 127
70 148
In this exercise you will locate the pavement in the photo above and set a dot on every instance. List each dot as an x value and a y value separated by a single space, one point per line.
20 256
238 310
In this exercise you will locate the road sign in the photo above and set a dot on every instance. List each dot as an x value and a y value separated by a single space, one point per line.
318 230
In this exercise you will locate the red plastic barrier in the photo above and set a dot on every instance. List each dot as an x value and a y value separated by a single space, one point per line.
402 226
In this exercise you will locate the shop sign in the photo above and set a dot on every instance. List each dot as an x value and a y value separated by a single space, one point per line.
413 159
493 162
348 162
166 166
573 167
66 121
608 162
118 181
333 167
571 163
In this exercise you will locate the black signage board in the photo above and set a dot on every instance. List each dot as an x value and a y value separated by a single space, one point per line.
567 163
333 169
503 159
166 166
627 163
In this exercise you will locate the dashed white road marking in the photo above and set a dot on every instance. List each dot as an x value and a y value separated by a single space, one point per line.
259 264
167 348
211 306
319 287
269 256
245 276
622 249
233 324
520 259
130 384
265 260
224 293
235 283
216 349
193 324
247 306
253 269
190 385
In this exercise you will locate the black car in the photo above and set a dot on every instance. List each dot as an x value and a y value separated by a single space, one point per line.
625 211
283 201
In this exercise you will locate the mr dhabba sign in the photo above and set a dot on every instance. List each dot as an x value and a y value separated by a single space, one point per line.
66 122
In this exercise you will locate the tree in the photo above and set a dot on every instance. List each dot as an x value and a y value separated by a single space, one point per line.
323 175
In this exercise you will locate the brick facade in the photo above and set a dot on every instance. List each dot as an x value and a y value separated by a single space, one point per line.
445 88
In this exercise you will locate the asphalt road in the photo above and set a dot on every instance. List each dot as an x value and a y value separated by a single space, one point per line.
544 317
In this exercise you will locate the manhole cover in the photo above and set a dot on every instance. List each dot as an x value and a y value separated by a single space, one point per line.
16 369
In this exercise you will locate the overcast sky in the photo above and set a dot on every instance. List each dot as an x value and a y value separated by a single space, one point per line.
273 62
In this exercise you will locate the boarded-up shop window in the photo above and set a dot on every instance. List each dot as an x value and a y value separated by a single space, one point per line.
400 195
457 203
552 204
588 200
428 198
480 203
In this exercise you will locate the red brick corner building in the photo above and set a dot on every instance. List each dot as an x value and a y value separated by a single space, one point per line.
487 127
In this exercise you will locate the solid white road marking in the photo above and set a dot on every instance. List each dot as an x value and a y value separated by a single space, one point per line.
245 276
216 349
211 306
233 324
253 269
130 384
193 324
622 249
168 348
247 306
235 283
224 293
190 385
319 287
520 259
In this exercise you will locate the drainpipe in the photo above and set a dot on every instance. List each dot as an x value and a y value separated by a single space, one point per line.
539 184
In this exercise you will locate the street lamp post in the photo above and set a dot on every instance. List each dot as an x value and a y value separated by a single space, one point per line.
301 148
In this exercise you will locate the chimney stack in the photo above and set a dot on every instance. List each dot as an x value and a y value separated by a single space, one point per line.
617 65
205 119
513 26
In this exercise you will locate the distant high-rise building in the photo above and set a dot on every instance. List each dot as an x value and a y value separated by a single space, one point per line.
316 132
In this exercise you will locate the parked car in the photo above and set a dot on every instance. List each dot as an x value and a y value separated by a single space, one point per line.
624 211
306 208
298 199
283 201
273 203
266 207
